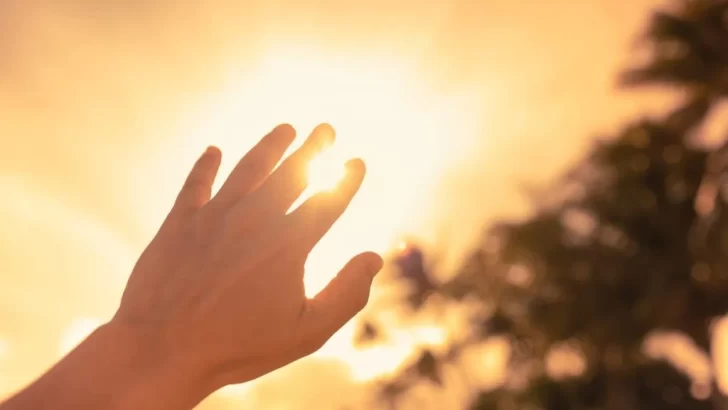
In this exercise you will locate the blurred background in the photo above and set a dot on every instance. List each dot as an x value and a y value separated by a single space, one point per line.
547 181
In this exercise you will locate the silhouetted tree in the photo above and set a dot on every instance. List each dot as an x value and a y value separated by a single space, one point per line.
633 240
688 52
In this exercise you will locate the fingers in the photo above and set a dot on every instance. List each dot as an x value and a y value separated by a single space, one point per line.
198 187
316 216
340 301
256 165
287 183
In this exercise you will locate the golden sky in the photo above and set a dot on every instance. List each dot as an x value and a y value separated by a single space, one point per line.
104 106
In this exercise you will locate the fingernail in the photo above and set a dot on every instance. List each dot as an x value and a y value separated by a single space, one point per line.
210 149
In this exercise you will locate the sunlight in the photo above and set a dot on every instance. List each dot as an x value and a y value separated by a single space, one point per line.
383 112
720 353
79 329
4 348
682 352
402 246
386 357
466 126
325 172
486 362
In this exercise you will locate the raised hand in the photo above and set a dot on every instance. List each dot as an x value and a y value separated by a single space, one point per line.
219 291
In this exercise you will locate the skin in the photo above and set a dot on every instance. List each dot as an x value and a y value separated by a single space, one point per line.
217 297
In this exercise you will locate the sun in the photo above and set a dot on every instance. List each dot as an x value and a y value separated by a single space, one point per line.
325 172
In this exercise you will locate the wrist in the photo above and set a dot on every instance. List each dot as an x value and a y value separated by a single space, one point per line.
150 372
117 367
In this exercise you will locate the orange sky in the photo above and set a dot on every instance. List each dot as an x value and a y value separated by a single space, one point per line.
103 108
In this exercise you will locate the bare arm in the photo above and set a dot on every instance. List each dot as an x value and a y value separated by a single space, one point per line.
217 297
112 369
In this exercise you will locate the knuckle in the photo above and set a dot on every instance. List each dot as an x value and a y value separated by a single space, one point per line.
256 166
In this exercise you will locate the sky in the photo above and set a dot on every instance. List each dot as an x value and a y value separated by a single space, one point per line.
455 105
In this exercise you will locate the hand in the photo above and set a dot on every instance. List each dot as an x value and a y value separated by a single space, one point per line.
219 291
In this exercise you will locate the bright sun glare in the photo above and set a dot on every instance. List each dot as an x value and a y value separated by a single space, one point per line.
325 172
383 113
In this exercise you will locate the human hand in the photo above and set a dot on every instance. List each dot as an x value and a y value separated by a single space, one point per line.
219 291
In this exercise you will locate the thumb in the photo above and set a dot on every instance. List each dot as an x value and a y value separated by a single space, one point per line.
340 300
198 187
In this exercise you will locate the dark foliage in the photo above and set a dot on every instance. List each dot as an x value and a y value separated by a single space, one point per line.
639 244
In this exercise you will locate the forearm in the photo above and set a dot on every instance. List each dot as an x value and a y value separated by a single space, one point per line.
113 369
